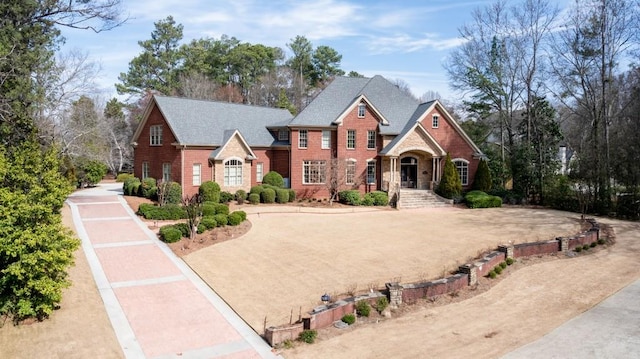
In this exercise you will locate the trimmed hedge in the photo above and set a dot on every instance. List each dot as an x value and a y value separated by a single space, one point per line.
170 234
292 195
234 218
241 196
209 222
268 195
209 208
257 190
166 212
254 198
124 176
148 188
282 195
273 178
479 199
380 198
210 191
226 197
222 208
351 197
221 220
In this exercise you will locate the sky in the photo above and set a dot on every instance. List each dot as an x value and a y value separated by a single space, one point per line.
402 39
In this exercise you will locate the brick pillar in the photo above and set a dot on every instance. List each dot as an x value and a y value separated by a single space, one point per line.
507 250
395 294
564 244
472 271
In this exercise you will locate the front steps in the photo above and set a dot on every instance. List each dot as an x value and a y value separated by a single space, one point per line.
416 198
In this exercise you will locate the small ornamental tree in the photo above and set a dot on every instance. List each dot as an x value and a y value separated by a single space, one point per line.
193 208
482 180
450 185
273 178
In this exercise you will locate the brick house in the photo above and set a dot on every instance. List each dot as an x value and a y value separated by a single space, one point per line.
363 131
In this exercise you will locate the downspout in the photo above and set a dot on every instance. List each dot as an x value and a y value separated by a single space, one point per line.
182 169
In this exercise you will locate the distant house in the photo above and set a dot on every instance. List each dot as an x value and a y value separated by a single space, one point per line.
381 139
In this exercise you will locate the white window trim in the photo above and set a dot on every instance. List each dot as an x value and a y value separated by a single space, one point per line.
259 171
354 139
362 110
375 169
321 171
464 181
328 142
226 176
375 142
166 165
306 138
435 121
197 166
145 170
355 168
155 135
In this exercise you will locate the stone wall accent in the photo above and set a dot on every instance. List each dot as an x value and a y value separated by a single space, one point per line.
564 244
395 294
278 335
324 315
507 250
488 262
472 271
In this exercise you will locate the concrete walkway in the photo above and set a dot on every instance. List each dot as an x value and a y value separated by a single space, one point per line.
609 330
158 306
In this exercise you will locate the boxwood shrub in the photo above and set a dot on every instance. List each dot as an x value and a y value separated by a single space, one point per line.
174 193
209 222
221 220
209 208
349 318
367 200
268 195
130 186
282 195
254 198
234 218
292 195
479 199
243 214
257 189
226 197
210 191
201 228
351 197
170 234
222 208
166 212
380 198
123 177
241 196
148 188
273 178
363 308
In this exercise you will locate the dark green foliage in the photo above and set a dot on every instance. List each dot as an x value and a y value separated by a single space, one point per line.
234 219
170 233
268 195
123 177
282 195
292 195
92 172
308 336
482 180
479 199
209 222
367 200
585 247
226 197
497 269
380 198
381 304
241 196
221 220
351 197
627 206
148 188
222 208
209 191
578 249
130 186
183 228
254 198
257 189
561 194
273 178
492 274
601 241
450 185
503 265
201 228
349 318
173 194
242 214
510 261
593 244
363 308
166 212
209 208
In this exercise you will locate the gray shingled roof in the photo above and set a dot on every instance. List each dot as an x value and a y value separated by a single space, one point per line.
200 122
396 106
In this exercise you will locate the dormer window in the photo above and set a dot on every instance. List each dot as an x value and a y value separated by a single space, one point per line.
435 121
362 109
283 135
155 135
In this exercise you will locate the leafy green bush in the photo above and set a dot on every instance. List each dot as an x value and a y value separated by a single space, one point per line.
367 200
503 265
221 220
350 197
257 189
209 208
268 195
510 261
170 234
292 195
148 188
308 336
123 177
273 178
254 198
201 228
222 208
450 185
593 244
226 197
166 212
585 247
184 228
173 194
241 196
130 186
209 191
380 198
349 318
363 308
234 219
242 214
479 199
601 241
92 172
381 304
578 249
282 195
492 274
497 269
482 180
209 222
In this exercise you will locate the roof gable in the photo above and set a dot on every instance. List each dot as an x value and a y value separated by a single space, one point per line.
358 101
408 135
231 136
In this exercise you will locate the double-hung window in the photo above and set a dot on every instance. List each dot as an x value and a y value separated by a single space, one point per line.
166 172
197 179
371 140
155 135
350 177
259 169
303 138
326 139
313 172
145 170
362 109
463 170
371 172
351 139
283 135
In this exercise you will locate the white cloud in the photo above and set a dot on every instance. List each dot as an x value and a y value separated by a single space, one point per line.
407 43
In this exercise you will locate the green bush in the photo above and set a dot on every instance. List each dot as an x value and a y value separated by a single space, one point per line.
273 178
184 228
221 220
268 195
492 274
479 199
503 265
349 318
222 208
497 269
585 247
209 208
510 261
380 198
257 189
254 198
234 219
367 200
381 304
450 185
148 188
593 244
363 308
292 195
201 228
241 196
243 214
350 197
209 191
482 180
130 186
123 177
166 212
93 171
226 197
308 336
174 193
578 249
170 234
601 241
282 195
209 222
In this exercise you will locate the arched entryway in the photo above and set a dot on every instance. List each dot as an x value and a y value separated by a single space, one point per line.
409 172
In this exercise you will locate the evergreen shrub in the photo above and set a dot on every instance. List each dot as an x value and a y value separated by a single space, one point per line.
292 195
273 178
234 219
363 308
282 195
268 195
221 220
350 197
450 185
479 199
209 208
349 318
222 208
170 234
174 193
241 196
482 180
226 197
254 198
148 188
209 191
209 222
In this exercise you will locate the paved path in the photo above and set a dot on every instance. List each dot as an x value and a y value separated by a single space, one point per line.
158 306
609 330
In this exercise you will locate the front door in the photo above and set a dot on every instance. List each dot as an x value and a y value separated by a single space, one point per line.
409 172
